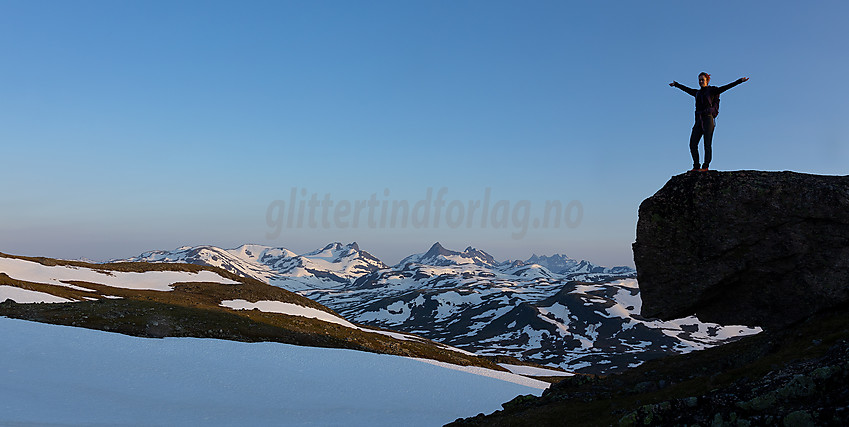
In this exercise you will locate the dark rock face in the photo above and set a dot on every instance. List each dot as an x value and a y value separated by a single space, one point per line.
747 247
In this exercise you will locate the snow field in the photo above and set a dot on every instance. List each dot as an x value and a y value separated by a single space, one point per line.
61 375
60 274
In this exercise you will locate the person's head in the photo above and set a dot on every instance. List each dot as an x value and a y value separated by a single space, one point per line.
704 79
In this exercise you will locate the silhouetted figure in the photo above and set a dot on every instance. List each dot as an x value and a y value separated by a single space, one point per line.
707 108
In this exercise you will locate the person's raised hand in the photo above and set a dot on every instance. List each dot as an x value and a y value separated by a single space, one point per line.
745 79
673 83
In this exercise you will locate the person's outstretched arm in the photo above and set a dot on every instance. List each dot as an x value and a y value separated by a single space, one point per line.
732 84
684 88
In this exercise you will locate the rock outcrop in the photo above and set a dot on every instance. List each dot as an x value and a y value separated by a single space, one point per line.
748 247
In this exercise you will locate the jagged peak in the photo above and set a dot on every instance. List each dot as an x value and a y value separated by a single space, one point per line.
556 256
338 246
332 246
437 249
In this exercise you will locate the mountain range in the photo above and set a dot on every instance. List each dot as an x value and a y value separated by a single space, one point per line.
551 310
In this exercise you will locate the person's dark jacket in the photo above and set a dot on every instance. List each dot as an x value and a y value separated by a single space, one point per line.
707 98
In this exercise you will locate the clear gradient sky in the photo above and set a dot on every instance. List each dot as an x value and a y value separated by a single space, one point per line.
129 126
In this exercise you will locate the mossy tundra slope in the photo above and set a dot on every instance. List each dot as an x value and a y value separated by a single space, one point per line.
135 298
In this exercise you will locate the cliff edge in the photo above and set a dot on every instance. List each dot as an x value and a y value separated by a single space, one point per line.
745 247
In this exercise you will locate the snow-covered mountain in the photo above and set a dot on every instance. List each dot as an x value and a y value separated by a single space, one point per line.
557 264
578 326
438 255
331 267
551 310
577 270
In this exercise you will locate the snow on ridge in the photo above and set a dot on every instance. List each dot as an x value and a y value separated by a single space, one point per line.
501 375
31 271
562 327
26 296
290 309
706 334
255 253
458 259
534 371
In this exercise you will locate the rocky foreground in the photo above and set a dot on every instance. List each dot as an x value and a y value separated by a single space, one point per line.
762 248
797 377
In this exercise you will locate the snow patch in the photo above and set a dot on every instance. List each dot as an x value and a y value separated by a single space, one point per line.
534 371
60 274
504 376
26 296
287 308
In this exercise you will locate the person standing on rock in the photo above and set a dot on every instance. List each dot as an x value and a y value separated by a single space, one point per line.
707 108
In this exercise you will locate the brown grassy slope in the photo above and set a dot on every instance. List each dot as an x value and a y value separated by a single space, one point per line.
192 309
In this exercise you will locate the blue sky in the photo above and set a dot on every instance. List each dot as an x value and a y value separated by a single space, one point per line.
131 126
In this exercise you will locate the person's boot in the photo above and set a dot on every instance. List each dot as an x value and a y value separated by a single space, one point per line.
695 167
704 168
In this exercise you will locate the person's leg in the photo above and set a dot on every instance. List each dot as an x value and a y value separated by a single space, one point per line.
708 125
694 143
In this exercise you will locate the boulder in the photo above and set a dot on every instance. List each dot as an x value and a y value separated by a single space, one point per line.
744 247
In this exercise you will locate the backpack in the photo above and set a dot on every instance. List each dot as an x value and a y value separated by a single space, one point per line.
714 105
